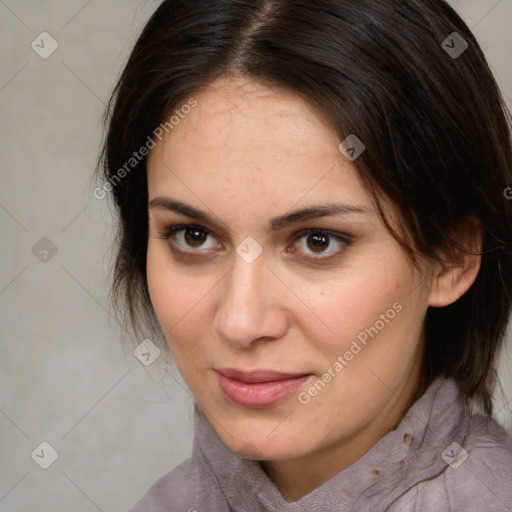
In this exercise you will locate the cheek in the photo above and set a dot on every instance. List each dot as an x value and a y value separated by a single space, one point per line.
168 295
179 298
375 320
368 359
355 301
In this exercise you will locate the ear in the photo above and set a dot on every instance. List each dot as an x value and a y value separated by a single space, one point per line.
459 265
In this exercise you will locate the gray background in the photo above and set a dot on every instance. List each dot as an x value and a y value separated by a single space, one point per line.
64 376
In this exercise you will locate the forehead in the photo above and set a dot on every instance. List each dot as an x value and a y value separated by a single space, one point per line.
241 115
250 144
237 97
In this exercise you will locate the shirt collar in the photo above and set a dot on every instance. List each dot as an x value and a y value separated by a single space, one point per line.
403 457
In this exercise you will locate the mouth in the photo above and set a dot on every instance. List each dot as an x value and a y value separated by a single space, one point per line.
258 389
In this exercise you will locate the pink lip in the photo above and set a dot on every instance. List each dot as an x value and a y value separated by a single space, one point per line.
258 389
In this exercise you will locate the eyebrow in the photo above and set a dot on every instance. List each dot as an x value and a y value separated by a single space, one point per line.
275 224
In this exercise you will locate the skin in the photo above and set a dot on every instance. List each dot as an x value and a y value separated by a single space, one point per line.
246 154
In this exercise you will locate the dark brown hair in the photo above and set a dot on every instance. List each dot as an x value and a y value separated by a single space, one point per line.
434 124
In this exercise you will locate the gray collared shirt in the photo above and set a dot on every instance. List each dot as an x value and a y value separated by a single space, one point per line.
439 458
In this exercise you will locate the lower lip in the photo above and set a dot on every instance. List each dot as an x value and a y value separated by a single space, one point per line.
259 395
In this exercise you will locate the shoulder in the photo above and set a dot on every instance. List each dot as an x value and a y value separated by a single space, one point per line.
190 487
489 442
475 475
174 491
483 472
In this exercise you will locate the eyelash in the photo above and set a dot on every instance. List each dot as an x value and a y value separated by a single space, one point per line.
171 230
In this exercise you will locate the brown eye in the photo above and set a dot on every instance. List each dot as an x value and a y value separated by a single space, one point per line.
192 239
314 243
318 242
195 237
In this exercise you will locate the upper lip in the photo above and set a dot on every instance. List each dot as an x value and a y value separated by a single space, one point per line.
258 375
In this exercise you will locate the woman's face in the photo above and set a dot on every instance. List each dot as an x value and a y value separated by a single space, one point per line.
292 314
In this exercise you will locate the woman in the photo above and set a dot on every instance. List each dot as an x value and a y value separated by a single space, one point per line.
312 215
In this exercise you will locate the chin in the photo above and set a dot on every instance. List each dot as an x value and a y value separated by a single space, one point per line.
262 446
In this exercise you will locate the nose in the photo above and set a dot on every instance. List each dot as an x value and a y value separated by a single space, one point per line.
250 308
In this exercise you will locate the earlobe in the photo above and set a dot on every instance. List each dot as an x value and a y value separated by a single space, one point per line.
459 265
